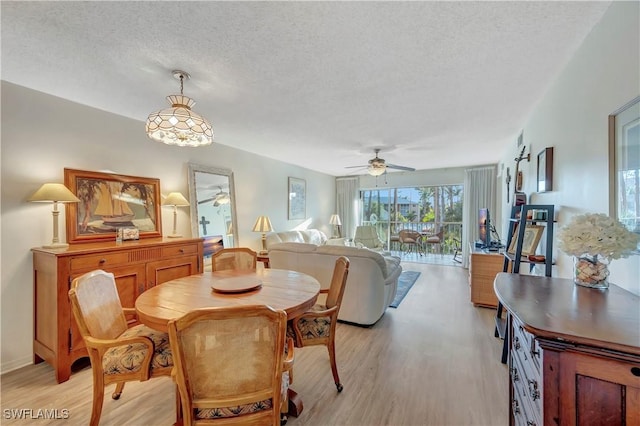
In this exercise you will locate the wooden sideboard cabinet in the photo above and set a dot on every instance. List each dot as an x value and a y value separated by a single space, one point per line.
575 352
483 267
137 266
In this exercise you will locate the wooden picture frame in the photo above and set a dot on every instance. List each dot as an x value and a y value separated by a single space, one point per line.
545 170
532 235
109 201
297 197
624 165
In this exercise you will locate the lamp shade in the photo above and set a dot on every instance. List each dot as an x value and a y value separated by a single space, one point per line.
376 170
54 192
263 224
335 220
175 199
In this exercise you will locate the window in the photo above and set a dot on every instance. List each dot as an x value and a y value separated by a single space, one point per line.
425 209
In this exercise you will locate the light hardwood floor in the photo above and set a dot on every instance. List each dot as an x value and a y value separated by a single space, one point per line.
432 361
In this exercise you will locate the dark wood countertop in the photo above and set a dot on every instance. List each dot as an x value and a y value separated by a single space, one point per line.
558 309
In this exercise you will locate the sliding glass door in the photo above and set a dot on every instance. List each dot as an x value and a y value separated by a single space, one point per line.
426 209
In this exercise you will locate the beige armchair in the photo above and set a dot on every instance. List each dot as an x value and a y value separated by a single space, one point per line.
367 236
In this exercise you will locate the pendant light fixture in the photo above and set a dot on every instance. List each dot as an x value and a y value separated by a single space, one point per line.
179 125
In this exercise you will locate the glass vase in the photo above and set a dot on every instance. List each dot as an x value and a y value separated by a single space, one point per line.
591 271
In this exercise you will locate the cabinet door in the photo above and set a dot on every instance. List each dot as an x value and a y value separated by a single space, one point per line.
130 283
596 390
165 270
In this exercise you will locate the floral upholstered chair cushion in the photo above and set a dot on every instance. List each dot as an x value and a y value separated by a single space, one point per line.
129 358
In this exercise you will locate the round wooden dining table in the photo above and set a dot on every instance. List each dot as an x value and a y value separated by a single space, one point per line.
293 292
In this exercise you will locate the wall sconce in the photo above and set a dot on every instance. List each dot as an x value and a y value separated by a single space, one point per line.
335 221
176 200
55 193
263 224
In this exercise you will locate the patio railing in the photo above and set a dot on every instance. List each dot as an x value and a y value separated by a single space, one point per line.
452 232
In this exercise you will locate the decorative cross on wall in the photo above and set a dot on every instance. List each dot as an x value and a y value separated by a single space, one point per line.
204 222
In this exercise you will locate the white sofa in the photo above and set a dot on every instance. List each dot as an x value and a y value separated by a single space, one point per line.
371 283
310 236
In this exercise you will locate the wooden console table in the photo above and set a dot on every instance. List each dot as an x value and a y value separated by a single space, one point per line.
575 352
137 266
483 267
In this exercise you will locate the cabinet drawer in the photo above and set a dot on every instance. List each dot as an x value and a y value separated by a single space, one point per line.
526 346
529 386
101 261
179 250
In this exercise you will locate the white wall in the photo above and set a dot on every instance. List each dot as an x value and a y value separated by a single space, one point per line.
42 134
572 118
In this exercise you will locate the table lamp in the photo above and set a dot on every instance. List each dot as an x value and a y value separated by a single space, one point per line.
176 200
335 221
263 224
56 193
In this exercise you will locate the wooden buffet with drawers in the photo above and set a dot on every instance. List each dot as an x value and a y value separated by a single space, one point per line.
575 352
137 266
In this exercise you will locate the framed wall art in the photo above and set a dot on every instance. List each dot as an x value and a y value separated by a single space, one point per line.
110 201
532 235
624 165
297 198
545 170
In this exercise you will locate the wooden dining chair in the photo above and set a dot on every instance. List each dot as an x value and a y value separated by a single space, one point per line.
230 365
318 325
118 354
242 258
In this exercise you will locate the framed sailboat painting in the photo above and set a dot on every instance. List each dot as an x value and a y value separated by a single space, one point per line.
108 202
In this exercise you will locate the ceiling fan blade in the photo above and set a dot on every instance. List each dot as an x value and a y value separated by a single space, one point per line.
207 200
355 167
393 166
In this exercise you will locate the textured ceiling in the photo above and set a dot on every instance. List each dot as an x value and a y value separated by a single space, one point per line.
317 84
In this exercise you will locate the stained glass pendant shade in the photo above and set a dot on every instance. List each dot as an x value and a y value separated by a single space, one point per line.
179 125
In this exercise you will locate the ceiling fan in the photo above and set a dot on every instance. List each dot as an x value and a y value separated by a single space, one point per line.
220 198
378 166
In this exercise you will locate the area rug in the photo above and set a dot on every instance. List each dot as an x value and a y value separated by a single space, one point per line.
405 282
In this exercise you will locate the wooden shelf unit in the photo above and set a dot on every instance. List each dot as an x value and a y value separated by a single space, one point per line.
518 221
573 370
137 266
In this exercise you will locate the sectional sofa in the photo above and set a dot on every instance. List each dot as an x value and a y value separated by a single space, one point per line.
371 283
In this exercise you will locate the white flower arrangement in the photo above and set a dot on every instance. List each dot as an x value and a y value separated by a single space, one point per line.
598 235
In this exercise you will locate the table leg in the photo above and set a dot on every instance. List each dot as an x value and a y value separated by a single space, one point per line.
295 403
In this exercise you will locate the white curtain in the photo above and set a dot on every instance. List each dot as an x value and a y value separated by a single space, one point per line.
347 204
479 192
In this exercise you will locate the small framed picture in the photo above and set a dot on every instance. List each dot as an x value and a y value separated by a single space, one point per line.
545 170
532 235
128 233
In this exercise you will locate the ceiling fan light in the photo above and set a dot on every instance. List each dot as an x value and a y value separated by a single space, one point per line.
376 170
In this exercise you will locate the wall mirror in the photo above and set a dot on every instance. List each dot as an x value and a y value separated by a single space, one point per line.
213 207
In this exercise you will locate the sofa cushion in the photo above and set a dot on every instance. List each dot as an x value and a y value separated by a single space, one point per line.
309 236
355 252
